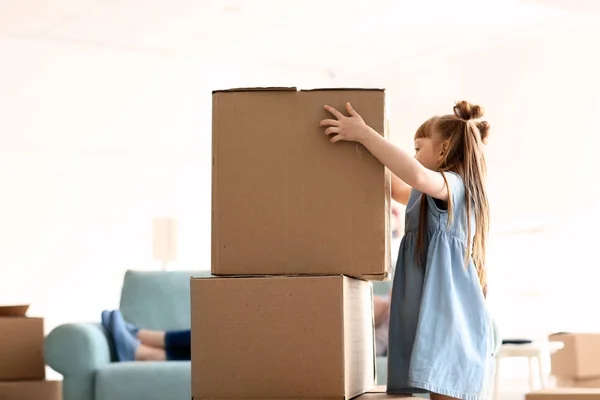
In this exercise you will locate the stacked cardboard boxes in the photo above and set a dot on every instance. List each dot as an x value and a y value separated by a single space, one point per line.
578 363
576 368
22 367
299 227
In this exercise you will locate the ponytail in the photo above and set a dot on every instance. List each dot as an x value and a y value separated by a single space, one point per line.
464 157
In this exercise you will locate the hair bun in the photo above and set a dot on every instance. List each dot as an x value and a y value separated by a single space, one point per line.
484 130
465 110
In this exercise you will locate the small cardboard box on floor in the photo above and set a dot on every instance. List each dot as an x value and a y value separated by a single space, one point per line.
21 348
577 383
22 366
564 394
281 337
285 201
31 390
578 363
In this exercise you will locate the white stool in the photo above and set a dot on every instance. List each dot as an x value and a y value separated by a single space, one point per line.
534 352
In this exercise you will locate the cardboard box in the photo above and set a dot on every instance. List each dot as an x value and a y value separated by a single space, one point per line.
577 383
579 357
285 201
282 337
564 394
21 348
379 393
383 396
30 390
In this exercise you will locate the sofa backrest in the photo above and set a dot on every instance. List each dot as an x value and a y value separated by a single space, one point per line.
382 288
158 300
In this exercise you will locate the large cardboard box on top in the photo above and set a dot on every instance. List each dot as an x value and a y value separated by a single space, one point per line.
285 200
282 337
21 348
31 390
579 359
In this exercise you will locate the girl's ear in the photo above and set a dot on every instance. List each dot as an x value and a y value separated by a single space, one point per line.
445 147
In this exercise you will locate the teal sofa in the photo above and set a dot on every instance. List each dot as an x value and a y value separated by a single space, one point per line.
84 355
382 289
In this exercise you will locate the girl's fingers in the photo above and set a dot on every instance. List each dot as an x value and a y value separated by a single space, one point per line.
334 112
336 138
330 122
351 110
332 129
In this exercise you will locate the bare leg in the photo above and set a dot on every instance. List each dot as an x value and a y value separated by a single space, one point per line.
147 353
381 309
154 339
436 396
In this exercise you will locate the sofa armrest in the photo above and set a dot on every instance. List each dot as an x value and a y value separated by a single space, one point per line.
77 349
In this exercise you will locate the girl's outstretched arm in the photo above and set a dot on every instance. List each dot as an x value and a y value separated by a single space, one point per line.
403 165
400 190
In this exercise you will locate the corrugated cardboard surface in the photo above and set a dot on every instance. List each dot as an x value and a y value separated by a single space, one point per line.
281 337
383 396
21 348
564 394
379 393
577 383
579 357
288 202
31 390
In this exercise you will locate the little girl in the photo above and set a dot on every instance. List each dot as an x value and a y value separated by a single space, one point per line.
441 337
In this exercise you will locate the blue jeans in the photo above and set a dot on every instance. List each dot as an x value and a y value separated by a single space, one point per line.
178 345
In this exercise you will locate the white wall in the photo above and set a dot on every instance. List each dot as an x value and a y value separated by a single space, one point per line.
543 94
540 90
95 142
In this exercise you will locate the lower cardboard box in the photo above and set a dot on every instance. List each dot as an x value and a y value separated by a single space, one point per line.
577 383
21 349
379 393
30 390
564 394
282 337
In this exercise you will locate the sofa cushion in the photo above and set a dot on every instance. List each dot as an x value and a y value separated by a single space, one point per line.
145 380
382 288
381 368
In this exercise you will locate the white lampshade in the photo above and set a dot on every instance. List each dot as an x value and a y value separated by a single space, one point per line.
165 240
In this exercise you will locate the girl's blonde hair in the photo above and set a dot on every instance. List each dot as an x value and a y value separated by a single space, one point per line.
464 156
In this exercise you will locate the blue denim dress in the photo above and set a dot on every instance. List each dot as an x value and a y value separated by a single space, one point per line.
441 338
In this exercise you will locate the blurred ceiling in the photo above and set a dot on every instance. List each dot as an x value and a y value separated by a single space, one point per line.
110 76
578 6
334 36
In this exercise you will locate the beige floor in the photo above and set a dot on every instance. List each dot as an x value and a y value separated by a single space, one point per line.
511 388
515 387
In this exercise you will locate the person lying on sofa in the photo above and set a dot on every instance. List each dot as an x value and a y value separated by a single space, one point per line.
381 308
135 344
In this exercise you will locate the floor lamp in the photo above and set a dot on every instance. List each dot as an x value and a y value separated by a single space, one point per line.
165 241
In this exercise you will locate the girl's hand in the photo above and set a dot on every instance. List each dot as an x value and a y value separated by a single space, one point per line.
352 128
